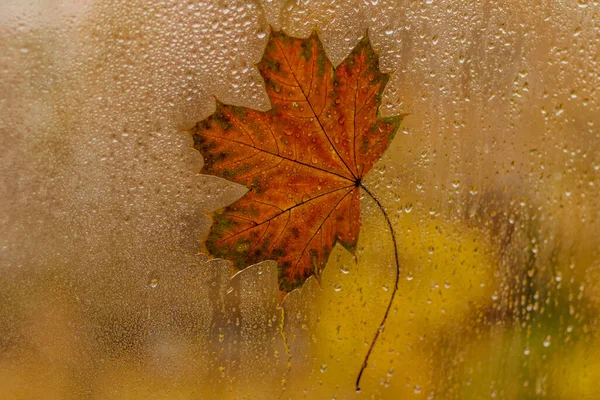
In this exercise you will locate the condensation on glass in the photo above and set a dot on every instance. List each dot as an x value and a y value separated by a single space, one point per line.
492 183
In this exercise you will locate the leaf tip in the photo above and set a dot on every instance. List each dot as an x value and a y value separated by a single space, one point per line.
218 103
314 33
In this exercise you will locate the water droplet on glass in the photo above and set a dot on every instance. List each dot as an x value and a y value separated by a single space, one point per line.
323 368
154 283
337 287
547 341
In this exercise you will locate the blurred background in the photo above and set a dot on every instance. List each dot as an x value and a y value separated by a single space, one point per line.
492 183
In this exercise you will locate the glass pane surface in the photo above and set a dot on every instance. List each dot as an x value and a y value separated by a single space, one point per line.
491 185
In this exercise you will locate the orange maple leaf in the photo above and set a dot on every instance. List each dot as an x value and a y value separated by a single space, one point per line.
303 160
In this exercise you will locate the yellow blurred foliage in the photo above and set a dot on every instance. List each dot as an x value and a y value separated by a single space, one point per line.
446 277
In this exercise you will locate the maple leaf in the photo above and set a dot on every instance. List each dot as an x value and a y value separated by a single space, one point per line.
303 160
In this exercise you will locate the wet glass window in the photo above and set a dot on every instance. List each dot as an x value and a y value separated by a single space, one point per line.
299 199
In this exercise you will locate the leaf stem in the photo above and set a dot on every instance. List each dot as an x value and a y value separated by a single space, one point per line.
387 311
